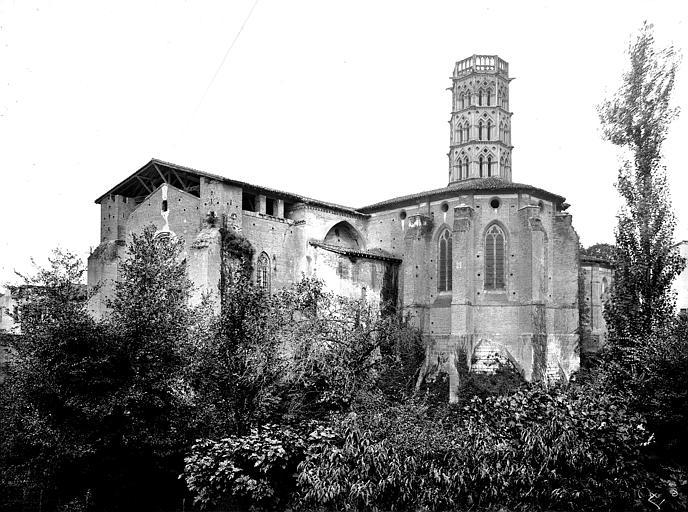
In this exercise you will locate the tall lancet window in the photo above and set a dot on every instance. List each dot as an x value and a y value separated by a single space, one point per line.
495 255
489 165
480 130
489 97
489 130
481 164
444 262
263 272
465 167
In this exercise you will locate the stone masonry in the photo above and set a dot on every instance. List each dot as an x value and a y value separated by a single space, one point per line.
484 266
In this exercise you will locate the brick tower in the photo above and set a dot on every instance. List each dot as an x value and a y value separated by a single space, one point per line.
480 139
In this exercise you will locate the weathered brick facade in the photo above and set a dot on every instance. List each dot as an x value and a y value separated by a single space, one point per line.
483 265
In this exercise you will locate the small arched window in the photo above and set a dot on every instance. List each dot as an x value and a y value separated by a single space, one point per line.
462 100
489 97
489 130
480 97
263 272
489 165
444 262
459 129
495 258
466 131
481 164
480 130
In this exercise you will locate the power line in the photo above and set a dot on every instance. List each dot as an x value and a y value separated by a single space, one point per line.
217 72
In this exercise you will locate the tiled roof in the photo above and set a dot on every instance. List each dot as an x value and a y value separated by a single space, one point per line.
493 184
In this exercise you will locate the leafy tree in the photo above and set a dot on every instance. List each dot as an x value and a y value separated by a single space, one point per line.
98 412
601 250
275 367
51 412
637 119
150 322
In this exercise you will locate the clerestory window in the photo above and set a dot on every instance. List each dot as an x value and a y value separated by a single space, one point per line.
495 258
444 261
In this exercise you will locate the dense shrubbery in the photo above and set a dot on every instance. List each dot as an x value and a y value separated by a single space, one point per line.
306 400
534 449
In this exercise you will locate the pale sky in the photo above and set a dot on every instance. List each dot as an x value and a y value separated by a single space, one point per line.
341 101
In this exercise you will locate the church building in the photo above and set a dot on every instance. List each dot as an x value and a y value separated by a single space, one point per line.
482 265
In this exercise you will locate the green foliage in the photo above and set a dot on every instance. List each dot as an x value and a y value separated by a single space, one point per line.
652 373
637 119
232 361
50 402
237 255
600 250
255 470
290 359
535 449
95 408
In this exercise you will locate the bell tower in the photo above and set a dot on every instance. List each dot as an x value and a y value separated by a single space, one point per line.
480 124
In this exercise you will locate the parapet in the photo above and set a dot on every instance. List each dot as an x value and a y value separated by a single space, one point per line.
481 64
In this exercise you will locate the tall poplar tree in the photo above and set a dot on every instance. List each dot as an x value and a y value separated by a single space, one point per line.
637 118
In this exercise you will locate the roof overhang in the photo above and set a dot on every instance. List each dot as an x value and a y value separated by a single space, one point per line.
156 172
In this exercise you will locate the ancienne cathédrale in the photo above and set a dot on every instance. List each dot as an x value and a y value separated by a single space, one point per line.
482 265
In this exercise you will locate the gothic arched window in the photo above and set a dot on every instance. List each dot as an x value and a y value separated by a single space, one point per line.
488 97
263 272
489 130
465 164
444 262
495 256
480 97
489 165
480 130
480 165
462 100
459 129
466 131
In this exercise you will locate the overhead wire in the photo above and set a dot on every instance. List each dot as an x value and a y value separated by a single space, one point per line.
222 63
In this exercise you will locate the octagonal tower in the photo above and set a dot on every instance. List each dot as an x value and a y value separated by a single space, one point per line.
480 124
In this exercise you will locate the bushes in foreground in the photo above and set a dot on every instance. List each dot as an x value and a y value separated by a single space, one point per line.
535 449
